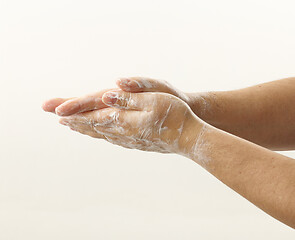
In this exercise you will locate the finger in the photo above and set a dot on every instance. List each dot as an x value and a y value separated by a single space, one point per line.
102 117
126 100
81 128
117 139
51 104
143 84
87 132
71 123
82 104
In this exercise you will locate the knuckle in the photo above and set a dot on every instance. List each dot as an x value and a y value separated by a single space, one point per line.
113 117
126 100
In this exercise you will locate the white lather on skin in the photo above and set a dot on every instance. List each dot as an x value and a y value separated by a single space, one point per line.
200 147
144 83
157 127
145 137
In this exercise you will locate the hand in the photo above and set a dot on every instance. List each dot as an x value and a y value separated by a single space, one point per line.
144 84
68 106
156 122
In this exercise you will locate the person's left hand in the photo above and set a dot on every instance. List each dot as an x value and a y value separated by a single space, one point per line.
69 106
156 122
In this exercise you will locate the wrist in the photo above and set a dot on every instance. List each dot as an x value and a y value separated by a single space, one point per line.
195 143
193 126
203 104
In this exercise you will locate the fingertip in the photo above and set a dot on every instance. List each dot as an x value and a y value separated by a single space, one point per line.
109 98
59 112
44 106
128 84
123 83
47 106
123 80
51 104
66 108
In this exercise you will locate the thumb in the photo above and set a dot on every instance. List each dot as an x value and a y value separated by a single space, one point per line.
125 100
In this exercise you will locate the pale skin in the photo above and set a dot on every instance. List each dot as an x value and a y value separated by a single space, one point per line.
230 133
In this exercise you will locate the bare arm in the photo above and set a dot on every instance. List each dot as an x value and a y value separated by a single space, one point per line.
163 123
264 177
263 114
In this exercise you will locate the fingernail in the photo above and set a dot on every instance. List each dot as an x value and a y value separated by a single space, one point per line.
125 81
58 112
110 97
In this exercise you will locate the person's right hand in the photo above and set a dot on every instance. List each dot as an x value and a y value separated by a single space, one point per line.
157 122
143 84
66 107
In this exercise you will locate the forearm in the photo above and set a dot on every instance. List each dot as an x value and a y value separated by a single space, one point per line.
263 114
265 178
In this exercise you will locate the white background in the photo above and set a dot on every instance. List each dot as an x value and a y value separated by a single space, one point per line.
58 184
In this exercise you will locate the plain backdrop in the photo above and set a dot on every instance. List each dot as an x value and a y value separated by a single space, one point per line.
59 184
